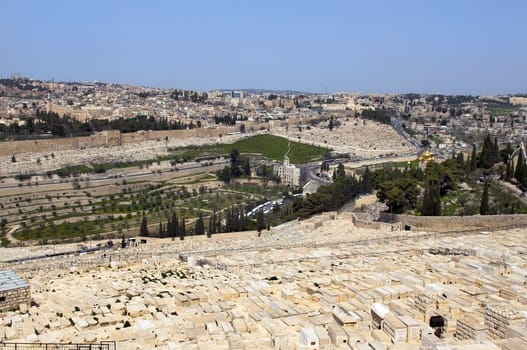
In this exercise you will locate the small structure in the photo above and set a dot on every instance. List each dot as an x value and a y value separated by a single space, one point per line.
14 291
427 157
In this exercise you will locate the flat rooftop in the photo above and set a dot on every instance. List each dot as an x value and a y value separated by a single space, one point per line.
9 280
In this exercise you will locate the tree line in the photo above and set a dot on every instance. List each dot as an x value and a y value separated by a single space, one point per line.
51 123
232 219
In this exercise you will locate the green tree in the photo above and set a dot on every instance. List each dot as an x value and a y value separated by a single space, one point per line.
260 222
473 159
367 181
247 167
224 174
431 198
235 163
212 224
399 194
519 163
173 226
341 172
143 229
509 171
489 154
182 230
484 205
199 229
460 158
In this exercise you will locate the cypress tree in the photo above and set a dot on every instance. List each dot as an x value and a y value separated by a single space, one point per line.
182 230
520 164
200 227
260 222
367 181
431 199
484 205
143 229
341 172
473 159
486 156
460 158
496 151
509 171
247 167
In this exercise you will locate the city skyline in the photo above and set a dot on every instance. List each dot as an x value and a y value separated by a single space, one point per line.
467 48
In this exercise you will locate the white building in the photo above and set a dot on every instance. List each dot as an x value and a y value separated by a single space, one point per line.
288 173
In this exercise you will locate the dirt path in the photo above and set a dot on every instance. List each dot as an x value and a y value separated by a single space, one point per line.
514 190
10 232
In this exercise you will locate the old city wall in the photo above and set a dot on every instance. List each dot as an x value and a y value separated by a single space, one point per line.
162 134
453 223
103 139
50 145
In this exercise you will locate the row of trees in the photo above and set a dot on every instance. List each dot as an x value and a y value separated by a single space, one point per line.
331 197
379 115
193 96
401 189
64 126
238 167
234 219
228 119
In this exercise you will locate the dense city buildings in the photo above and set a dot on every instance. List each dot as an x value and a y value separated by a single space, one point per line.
85 163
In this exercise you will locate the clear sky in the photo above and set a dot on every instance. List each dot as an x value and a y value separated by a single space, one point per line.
448 46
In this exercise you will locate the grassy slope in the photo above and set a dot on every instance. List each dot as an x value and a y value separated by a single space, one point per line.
275 147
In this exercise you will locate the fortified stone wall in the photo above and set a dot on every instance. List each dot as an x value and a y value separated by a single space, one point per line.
104 139
453 223
51 145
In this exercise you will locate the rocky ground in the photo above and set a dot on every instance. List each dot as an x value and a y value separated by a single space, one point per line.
240 291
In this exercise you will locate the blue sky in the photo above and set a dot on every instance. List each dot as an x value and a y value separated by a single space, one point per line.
452 47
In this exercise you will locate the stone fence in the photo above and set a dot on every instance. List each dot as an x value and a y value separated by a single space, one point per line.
452 223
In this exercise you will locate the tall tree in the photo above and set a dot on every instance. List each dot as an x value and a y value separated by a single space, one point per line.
509 171
247 167
143 229
473 158
182 230
173 226
460 158
199 229
341 172
486 156
484 205
260 222
431 198
235 163
520 164
212 224
367 181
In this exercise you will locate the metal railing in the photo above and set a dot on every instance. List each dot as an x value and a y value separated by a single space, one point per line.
106 345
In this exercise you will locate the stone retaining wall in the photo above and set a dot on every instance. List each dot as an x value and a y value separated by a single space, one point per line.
452 223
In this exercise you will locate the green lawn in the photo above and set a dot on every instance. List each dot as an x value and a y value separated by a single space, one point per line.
269 146
275 147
